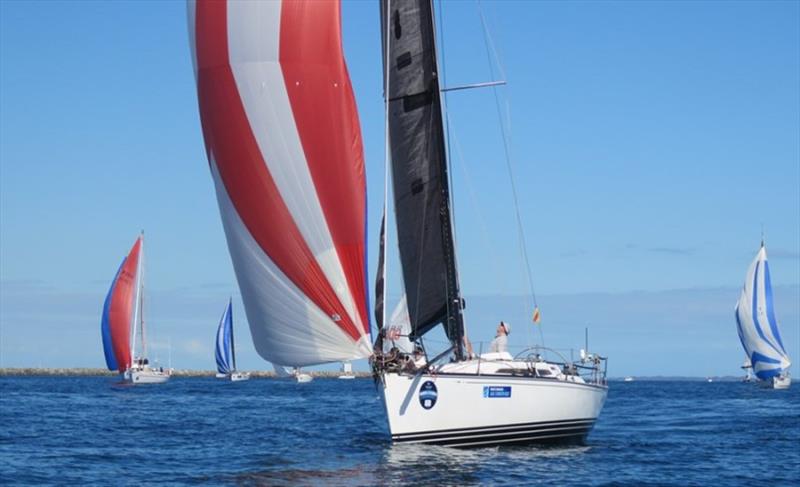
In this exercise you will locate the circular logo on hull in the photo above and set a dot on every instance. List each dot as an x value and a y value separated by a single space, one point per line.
428 395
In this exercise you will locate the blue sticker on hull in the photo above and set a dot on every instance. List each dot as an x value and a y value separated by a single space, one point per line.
496 391
428 395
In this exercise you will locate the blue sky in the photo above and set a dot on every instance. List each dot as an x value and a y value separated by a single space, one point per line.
650 141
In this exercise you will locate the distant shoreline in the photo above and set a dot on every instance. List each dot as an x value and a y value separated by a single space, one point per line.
263 374
94 372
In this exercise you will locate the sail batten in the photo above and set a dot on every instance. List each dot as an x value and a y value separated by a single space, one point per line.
284 148
419 168
756 324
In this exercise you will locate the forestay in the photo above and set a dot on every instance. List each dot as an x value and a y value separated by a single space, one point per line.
756 323
285 152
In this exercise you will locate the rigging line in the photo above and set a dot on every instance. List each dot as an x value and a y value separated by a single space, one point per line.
386 163
520 227
451 197
476 207
450 190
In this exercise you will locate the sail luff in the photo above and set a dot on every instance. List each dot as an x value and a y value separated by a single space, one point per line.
419 169
105 324
137 299
220 351
380 279
141 299
233 341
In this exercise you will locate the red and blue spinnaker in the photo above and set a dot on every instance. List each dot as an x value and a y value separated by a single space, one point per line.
115 325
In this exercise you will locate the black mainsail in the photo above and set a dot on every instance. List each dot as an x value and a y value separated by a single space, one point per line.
419 169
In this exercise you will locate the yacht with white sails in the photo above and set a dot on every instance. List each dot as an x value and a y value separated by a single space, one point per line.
347 371
757 327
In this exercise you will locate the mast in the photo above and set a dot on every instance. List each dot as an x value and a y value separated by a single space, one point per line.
137 300
419 170
141 300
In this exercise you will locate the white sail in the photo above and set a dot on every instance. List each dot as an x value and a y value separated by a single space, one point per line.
399 329
756 323
282 371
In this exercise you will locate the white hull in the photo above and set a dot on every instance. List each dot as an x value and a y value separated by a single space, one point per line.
146 376
346 376
234 377
494 409
302 378
239 376
780 382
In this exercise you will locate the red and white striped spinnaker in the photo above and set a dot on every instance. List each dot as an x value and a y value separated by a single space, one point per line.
284 148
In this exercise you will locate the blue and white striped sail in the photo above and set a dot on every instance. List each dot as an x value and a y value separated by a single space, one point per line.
756 323
224 342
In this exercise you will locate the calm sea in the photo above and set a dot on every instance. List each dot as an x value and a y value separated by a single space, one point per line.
81 431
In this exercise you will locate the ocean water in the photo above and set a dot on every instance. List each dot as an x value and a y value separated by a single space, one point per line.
83 431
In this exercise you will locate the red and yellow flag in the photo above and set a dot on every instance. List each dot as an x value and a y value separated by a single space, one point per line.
536 316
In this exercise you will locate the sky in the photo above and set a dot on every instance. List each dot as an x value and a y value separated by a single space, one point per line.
650 144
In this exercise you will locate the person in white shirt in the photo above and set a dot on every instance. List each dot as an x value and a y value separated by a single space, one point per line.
500 342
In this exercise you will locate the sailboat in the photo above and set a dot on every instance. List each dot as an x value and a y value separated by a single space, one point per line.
757 327
454 398
300 376
748 371
347 371
225 349
296 373
284 149
123 315
290 187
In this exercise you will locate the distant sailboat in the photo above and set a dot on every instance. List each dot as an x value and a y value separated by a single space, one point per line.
629 379
295 373
282 372
758 328
748 371
347 371
123 314
301 376
225 350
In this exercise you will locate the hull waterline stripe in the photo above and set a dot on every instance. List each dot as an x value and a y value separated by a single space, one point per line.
524 439
495 429
505 437
501 434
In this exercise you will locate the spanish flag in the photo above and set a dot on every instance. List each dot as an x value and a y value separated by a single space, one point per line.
536 317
